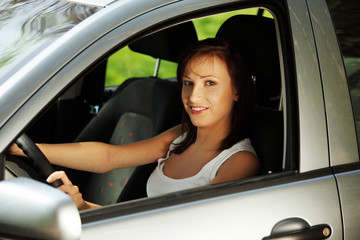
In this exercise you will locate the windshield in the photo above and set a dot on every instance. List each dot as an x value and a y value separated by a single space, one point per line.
27 25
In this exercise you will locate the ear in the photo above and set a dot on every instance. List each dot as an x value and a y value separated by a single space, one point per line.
236 96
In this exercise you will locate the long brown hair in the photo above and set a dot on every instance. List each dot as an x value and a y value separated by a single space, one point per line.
242 110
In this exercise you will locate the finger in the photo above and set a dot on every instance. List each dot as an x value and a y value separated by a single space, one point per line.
69 189
59 175
74 193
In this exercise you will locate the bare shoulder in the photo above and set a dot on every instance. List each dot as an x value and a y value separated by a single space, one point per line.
240 165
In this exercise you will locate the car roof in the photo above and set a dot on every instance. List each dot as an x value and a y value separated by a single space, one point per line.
95 3
29 25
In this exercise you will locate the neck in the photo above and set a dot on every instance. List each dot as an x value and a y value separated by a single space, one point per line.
211 137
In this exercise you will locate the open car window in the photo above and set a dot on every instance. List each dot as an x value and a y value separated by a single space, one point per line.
131 74
123 99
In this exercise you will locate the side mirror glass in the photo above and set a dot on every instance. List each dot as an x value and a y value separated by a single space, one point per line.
30 209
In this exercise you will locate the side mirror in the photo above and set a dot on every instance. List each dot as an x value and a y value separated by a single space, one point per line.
33 210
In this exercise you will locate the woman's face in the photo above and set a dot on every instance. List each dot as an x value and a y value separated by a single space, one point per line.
207 92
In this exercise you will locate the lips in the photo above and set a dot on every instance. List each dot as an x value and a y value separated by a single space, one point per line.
197 109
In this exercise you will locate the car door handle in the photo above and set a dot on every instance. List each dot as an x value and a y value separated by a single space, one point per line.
298 229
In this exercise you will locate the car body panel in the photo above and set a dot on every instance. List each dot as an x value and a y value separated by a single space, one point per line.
30 25
232 216
313 154
349 194
96 3
343 146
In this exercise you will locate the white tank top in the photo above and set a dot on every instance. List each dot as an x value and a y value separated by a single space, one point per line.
159 184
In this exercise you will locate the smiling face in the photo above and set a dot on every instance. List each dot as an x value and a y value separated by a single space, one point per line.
207 92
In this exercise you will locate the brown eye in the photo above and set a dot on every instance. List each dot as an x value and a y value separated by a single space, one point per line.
210 83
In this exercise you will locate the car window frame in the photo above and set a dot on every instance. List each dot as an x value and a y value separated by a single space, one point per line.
97 52
203 193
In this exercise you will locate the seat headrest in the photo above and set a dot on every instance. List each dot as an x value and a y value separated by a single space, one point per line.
168 43
256 36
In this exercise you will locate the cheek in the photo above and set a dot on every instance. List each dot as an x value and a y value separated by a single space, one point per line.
224 97
184 95
224 103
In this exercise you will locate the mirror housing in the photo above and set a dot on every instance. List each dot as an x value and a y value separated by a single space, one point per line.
30 209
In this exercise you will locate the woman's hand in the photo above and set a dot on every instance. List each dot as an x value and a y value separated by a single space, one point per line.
15 150
70 189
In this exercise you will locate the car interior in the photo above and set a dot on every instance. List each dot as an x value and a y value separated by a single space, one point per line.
143 107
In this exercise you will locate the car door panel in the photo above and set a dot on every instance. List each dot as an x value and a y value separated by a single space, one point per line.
339 114
246 215
250 214
313 153
349 193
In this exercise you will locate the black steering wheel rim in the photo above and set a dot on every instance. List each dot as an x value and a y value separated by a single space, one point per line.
39 160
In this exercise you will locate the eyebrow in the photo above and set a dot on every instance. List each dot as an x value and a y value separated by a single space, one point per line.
201 77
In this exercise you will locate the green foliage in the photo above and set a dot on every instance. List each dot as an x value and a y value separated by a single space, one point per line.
126 64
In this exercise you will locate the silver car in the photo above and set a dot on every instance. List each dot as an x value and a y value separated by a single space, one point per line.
75 71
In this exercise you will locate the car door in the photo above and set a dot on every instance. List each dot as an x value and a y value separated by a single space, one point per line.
302 200
341 68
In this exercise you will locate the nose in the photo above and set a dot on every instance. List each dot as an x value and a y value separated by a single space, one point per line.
196 93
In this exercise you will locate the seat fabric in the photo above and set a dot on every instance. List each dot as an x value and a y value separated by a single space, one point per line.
256 36
266 135
105 188
167 44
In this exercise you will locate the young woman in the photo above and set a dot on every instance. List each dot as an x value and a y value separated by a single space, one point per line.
211 146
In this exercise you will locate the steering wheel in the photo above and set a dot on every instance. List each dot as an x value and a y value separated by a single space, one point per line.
40 162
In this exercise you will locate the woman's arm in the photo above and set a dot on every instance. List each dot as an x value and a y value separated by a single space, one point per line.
101 157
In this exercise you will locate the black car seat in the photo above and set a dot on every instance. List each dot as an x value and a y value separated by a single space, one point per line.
256 35
267 138
139 109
